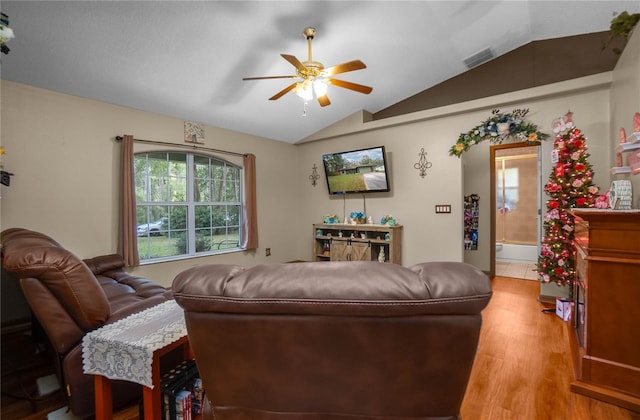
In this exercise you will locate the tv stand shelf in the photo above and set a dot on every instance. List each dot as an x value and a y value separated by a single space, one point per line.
362 242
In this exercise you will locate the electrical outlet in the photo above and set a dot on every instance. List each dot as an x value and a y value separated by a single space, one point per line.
268 251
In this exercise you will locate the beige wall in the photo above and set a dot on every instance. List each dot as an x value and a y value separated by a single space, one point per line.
426 236
66 162
429 236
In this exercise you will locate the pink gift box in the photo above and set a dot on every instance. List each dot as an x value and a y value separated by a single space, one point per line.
563 308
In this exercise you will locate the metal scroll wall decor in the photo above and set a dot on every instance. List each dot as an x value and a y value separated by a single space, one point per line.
314 175
423 164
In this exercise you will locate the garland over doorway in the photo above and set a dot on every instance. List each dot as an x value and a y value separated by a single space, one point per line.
497 129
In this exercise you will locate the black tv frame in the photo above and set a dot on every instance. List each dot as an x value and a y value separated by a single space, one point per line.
362 169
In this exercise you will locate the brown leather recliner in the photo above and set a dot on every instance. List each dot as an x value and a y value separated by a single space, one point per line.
334 340
70 297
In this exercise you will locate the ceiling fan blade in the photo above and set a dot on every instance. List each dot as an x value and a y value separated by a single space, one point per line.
345 67
293 60
348 85
324 100
283 91
269 77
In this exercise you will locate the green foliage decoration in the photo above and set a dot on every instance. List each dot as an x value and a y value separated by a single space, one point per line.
497 129
622 24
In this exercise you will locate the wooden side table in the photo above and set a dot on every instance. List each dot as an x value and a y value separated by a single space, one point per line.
130 349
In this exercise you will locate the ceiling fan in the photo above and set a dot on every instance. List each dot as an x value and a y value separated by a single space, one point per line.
315 77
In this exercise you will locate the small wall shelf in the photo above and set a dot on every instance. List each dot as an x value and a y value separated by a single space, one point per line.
625 147
633 143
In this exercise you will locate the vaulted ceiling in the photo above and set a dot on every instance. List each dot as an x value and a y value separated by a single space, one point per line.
186 59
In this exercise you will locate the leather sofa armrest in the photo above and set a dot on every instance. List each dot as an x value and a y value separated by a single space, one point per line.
446 279
105 263
450 279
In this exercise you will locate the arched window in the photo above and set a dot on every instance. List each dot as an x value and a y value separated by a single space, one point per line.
187 204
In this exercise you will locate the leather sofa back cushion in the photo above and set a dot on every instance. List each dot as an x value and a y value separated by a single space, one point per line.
33 254
372 289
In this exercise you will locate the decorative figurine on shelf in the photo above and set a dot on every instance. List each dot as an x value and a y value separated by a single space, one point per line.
331 219
381 256
388 220
370 220
602 202
358 217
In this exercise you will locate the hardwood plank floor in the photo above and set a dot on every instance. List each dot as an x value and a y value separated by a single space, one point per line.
522 370
523 367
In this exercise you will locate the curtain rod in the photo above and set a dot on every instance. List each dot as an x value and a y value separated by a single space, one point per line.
160 143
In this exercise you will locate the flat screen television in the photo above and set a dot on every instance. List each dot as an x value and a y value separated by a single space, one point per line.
357 171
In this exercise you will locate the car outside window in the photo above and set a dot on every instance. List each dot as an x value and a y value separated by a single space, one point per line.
186 205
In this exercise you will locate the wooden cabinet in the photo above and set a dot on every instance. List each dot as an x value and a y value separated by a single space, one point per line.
342 242
606 322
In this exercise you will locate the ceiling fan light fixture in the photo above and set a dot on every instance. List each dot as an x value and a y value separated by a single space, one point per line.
315 77
320 87
304 90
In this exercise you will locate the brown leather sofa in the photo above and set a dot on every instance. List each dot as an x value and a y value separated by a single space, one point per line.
70 297
334 340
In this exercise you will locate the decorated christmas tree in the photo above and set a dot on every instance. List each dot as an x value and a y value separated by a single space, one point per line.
570 186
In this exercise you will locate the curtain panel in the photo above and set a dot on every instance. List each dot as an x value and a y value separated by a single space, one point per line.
127 237
250 213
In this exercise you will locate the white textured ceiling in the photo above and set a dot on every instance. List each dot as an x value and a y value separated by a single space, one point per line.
186 59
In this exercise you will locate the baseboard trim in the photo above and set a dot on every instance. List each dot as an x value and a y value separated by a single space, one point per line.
547 299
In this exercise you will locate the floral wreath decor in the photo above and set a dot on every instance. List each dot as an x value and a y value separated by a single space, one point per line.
498 128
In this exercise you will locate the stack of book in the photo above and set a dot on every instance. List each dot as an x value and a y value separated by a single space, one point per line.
182 392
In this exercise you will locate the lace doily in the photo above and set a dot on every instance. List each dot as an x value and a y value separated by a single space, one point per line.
124 349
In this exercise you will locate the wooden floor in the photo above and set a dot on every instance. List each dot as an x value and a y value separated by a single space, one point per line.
523 367
522 370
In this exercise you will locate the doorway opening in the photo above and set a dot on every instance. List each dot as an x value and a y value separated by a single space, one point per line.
515 221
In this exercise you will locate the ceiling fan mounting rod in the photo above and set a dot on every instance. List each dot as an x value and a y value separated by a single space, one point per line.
309 33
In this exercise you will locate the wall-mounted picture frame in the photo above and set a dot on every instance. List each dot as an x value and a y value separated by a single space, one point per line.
193 132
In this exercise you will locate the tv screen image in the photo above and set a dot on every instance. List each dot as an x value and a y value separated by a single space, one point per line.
357 171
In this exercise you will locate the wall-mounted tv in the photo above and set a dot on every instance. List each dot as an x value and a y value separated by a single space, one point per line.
357 171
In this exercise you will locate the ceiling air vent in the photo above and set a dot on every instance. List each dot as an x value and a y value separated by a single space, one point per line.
479 58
